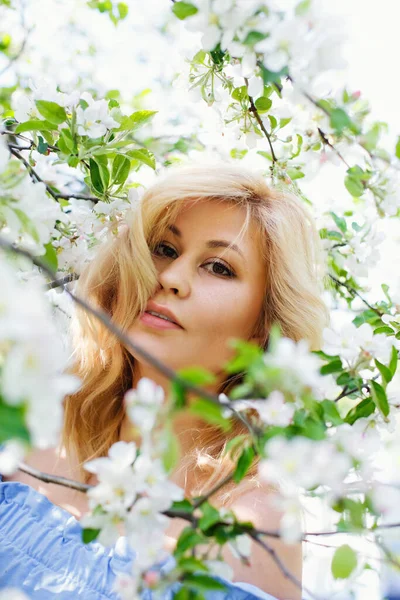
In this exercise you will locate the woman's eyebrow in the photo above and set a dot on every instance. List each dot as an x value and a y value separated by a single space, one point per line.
210 243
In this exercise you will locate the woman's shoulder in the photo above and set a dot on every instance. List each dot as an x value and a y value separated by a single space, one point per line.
53 461
42 553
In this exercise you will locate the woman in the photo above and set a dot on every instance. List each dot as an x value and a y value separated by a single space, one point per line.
224 256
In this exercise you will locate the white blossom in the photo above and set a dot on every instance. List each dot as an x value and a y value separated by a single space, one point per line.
11 454
300 367
95 119
274 410
143 403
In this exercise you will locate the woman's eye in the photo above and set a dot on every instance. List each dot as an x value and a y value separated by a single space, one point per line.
158 252
218 268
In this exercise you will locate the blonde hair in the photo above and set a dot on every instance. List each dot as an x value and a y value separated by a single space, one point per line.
122 277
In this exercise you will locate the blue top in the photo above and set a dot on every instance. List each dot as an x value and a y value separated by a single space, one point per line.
42 554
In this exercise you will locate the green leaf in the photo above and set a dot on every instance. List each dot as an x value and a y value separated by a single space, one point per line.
50 257
244 464
365 408
239 93
12 423
253 37
393 361
122 10
339 119
35 125
203 583
335 366
340 222
209 517
209 412
271 76
398 147
99 174
263 104
331 413
246 354
190 563
183 505
197 375
384 371
51 111
232 444
144 156
384 329
178 394
183 10
171 452
66 142
42 147
88 535
354 186
120 169
344 562
187 539
303 7
379 397
136 120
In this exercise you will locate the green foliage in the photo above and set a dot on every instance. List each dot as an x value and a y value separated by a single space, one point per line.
379 397
363 409
51 111
263 104
203 583
183 10
35 125
344 562
244 463
187 540
50 257
89 535
12 422
210 412
197 376
209 517
120 169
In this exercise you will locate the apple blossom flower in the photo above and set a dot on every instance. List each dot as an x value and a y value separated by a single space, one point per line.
300 367
274 410
95 119
143 403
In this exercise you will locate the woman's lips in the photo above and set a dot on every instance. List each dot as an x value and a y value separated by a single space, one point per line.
157 322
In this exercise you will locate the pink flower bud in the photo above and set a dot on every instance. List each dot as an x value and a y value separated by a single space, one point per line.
151 578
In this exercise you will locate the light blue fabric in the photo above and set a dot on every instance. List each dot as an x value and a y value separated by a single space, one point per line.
42 554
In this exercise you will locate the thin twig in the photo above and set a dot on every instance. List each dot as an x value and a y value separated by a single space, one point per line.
63 281
255 112
57 480
328 143
354 292
35 177
256 537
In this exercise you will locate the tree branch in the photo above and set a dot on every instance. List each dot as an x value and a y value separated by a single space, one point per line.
354 292
255 112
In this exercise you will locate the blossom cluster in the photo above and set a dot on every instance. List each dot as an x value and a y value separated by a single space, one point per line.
32 378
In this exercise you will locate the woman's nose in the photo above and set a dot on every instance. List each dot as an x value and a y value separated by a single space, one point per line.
175 277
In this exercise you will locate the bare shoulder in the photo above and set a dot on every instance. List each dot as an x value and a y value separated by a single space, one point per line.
53 461
274 566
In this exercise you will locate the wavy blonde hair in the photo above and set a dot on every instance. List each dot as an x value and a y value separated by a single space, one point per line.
122 277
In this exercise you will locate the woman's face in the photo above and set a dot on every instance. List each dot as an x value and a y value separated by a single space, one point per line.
214 299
